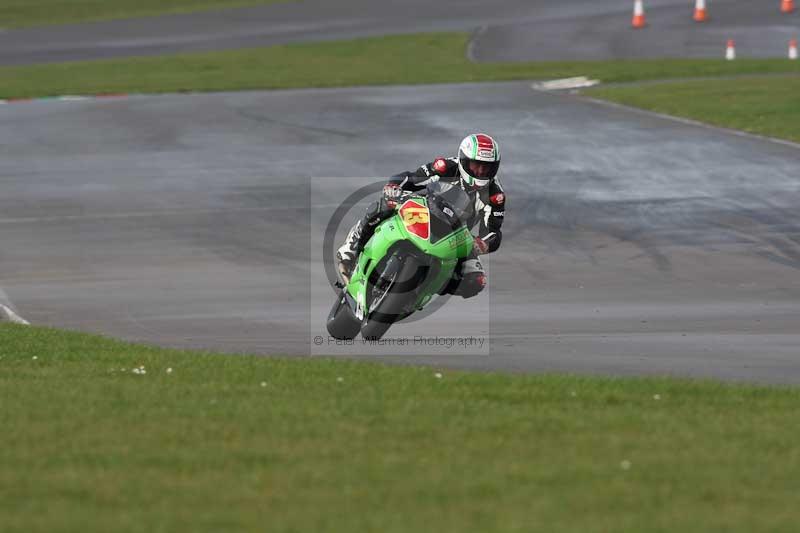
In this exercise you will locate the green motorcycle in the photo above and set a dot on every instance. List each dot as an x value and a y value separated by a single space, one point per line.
409 259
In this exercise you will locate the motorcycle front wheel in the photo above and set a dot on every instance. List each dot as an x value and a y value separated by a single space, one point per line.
342 323
393 295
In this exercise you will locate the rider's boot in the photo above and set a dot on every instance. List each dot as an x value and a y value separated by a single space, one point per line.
347 254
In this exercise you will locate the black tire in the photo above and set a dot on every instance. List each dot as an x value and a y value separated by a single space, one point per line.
342 323
397 301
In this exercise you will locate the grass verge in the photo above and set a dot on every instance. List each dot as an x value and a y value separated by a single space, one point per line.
20 13
225 443
407 59
767 106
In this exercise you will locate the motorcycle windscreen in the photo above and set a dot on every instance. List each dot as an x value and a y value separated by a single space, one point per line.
450 209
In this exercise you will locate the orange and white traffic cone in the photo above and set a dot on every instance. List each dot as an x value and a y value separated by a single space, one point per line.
700 11
730 51
787 6
638 15
793 49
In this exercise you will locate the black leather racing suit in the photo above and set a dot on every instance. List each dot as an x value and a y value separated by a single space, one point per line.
469 278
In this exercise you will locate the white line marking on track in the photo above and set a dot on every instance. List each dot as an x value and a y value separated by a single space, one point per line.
690 122
578 82
8 314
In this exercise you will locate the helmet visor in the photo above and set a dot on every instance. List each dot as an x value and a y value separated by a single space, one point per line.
480 172
483 170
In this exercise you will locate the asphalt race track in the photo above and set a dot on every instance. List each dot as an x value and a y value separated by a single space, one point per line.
634 244
758 28
508 30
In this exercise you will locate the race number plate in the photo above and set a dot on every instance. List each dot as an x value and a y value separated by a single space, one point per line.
416 218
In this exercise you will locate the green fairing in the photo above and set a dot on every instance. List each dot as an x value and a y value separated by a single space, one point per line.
447 250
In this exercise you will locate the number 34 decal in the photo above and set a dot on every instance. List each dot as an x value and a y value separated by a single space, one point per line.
416 218
414 215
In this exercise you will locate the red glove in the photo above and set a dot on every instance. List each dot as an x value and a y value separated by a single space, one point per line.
391 192
480 245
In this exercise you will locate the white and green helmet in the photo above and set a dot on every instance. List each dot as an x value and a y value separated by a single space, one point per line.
478 160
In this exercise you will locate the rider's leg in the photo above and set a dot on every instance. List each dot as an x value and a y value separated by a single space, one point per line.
360 234
468 279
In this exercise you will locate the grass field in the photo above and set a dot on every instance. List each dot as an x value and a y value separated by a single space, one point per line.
19 13
416 59
230 443
763 105
768 106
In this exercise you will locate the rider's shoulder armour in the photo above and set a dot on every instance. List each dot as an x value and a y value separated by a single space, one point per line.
496 194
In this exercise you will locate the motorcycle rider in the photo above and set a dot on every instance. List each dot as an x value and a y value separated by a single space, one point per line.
475 169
